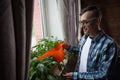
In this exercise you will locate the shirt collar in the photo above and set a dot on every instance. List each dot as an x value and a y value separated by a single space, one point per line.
95 39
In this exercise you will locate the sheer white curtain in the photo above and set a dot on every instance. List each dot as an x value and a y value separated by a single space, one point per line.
60 18
51 19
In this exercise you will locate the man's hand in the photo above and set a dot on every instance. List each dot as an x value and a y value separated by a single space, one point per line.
68 75
65 46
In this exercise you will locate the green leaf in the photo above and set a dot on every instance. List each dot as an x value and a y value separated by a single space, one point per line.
44 69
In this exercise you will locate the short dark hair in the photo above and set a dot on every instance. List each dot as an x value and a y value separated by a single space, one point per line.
95 9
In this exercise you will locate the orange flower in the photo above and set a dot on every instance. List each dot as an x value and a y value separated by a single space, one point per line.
56 52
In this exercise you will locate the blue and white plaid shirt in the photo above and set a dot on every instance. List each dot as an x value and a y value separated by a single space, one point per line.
100 56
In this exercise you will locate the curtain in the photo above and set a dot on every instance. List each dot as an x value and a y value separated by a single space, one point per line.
72 29
15 38
73 11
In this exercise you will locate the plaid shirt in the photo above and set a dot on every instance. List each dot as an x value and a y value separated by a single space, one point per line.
100 57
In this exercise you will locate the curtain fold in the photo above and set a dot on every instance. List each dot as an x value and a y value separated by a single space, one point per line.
72 9
15 38
29 21
7 42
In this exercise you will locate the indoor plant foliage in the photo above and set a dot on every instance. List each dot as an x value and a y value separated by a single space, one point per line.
44 69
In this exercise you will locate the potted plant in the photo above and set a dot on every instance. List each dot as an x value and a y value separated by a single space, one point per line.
46 68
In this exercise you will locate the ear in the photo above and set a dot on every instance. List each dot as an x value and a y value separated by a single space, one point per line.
98 21
100 18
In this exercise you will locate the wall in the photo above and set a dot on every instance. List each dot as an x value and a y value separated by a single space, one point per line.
37 23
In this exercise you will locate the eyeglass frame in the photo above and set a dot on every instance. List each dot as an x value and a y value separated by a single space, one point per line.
85 22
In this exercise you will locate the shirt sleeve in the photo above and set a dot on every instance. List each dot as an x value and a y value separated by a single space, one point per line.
103 68
73 49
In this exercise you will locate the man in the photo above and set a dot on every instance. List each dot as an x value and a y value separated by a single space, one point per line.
96 49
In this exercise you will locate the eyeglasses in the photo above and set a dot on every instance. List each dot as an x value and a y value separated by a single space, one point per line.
85 22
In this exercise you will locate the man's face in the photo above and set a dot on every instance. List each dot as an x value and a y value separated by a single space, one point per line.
88 23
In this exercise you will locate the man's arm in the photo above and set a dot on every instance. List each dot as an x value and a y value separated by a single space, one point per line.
73 49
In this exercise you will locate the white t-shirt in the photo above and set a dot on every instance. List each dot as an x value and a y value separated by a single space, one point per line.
84 56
